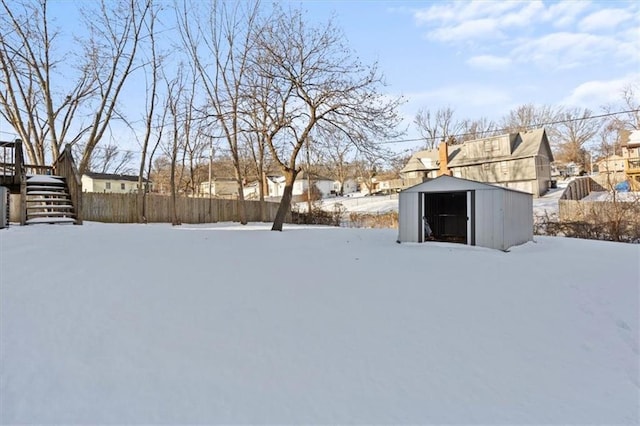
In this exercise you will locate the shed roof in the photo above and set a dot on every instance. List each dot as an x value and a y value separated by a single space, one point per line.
446 183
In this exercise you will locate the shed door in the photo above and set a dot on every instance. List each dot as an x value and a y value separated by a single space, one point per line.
447 214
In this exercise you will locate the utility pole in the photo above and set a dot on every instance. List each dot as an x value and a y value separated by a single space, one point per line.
308 178
210 163
210 172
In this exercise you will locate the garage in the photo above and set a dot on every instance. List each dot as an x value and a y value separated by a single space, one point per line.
455 210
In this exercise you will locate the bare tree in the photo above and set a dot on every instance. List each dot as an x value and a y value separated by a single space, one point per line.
477 129
47 105
528 116
255 114
630 101
438 126
576 128
111 159
316 83
222 34
616 128
175 104
368 165
337 152
154 65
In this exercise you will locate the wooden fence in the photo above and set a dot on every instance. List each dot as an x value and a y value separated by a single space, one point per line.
580 187
123 208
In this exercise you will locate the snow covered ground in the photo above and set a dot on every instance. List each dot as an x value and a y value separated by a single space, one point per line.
149 324
608 196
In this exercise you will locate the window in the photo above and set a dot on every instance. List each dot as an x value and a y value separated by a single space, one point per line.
122 186
107 185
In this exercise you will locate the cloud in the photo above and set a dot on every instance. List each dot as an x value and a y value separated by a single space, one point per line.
463 11
565 13
604 19
565 50
596 93
480 28
467 95
523 17
524 32
489 62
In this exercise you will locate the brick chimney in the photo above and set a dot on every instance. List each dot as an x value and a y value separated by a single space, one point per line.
443 157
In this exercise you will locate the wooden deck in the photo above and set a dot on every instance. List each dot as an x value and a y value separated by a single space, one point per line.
15 172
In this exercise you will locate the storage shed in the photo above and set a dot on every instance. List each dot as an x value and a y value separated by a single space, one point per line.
464 211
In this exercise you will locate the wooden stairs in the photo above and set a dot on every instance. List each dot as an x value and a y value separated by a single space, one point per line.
48 201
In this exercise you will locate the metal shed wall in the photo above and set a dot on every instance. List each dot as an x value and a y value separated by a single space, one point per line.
409 220
489 217
518 218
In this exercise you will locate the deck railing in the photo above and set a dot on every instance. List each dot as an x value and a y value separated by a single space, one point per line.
11 162
65 167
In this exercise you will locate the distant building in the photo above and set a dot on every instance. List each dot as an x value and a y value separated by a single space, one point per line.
519 161
220 187
276 184
631 155
611 164
112 183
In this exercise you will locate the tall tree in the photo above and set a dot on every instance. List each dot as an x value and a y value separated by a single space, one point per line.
477 129
616 128
576 128
438 126
111 159
337 153
316 83
51 100
153 67
222 34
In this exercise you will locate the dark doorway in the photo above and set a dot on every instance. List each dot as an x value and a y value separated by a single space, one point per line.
446 213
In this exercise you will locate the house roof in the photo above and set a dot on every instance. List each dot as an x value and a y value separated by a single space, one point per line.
520 145
632 139
446 183
110 176
416 163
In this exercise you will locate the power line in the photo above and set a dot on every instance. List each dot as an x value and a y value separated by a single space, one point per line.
506 130
424 139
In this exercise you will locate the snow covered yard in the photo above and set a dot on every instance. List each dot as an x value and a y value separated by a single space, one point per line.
226 324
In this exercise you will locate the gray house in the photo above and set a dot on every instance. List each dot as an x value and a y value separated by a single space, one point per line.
519 161
467 212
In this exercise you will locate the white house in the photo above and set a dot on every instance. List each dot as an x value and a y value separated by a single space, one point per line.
220 187
276 184
349 187
467 212
112 183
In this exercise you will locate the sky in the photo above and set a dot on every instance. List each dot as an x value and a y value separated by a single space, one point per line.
230 324
482 58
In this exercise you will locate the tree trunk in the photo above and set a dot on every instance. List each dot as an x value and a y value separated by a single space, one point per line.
285 202
261 193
